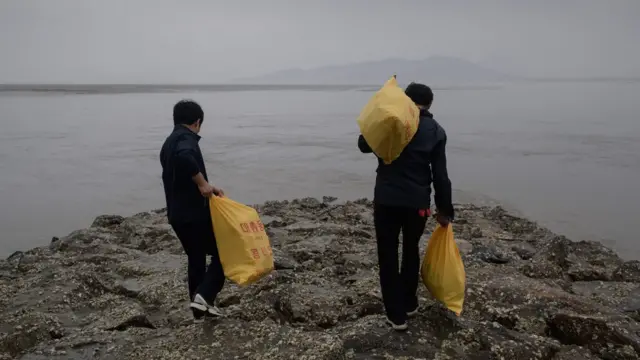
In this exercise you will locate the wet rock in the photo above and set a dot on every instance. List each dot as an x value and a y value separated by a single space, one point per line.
310 249
594 332
476 233
493 254
118 290
511 223
308 227
366 218
542 269
579 261
525 251
282 261
492 341
140 321
320 306
464 246
272 221
365 202
621 296
27 331
358 260
15 257
22 340
574 353
229 299
619 353
237 340
130 288
629 271
369 338
125 316
107 221
81 240
311 203
328 199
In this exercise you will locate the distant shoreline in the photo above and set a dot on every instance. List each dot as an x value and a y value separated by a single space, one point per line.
149 88
145 88
142 88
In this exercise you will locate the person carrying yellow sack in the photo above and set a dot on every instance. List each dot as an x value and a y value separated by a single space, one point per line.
402 199
186 188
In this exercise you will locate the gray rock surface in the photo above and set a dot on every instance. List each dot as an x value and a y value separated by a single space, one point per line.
117 290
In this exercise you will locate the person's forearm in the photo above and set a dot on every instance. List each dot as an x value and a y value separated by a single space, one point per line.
442 187
199 180
441 182
443 198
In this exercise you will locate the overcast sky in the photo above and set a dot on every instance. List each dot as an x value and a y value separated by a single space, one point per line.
208 41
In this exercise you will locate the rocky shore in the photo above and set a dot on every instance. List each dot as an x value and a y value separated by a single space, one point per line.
117 290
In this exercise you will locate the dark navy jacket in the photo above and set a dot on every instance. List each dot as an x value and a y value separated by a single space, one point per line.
406 182
181 159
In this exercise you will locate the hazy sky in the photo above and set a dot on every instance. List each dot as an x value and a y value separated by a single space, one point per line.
154 41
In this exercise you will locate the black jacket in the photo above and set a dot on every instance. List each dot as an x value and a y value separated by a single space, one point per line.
407 180
181 159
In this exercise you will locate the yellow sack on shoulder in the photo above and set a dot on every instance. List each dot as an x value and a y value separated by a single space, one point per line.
389 121
243 244
443 271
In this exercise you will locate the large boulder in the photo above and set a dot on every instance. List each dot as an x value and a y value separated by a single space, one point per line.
578 261
629 271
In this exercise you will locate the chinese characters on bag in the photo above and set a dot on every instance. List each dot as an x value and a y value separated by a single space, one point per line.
257 227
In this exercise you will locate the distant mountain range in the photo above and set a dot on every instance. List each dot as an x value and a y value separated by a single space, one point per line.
437 70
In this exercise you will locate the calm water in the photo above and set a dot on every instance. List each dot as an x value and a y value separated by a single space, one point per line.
566 155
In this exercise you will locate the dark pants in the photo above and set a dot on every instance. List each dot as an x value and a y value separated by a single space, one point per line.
399 284
198 241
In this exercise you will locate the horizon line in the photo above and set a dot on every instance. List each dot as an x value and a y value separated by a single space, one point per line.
4 86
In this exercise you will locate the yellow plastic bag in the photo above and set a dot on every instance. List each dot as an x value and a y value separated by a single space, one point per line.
443 271
389 121
243 244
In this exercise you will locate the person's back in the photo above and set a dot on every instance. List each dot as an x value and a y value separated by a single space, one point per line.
401 203
187 189
407 180
185 203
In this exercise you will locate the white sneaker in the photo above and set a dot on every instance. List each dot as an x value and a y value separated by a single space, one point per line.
413 313
200 304
397 327
214 311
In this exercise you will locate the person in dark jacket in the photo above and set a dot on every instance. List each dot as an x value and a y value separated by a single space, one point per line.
187 189
402 202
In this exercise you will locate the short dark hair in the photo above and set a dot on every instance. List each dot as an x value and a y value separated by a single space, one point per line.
420 94
187 112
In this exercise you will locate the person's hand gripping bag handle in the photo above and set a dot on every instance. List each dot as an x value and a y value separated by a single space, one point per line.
243 244
443 270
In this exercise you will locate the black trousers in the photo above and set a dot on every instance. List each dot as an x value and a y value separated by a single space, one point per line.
399 284
198 241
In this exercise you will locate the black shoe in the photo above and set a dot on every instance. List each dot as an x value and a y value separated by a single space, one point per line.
413 312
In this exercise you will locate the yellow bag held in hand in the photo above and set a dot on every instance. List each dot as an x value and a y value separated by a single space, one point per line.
443 271
243 244
389 121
